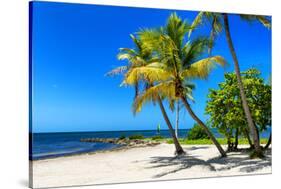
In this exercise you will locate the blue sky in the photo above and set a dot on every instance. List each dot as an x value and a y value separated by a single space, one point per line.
74 45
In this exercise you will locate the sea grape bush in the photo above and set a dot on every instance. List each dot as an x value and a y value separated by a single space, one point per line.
225 109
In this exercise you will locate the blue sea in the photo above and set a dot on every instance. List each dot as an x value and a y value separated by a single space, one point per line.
48 145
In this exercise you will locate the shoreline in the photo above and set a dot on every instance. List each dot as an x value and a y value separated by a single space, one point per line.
89 153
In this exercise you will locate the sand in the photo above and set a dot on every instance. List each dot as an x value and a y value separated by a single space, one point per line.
145 164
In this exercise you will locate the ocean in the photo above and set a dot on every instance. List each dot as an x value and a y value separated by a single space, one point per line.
48 145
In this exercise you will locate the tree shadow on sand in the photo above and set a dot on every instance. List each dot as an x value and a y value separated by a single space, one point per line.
239 160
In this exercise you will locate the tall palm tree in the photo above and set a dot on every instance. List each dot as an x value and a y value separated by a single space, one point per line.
179 61
219 21
136 58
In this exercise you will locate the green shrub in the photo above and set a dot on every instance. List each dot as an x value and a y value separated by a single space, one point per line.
132 137
157 137
170 141
197 132
122 137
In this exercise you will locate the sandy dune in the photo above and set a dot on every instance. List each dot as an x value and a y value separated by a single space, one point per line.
144 164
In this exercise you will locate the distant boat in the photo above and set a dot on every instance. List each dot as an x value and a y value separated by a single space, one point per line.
158 129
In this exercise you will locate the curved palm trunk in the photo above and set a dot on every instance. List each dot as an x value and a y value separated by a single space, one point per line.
179 149
177 118
211 136
248 115
268 142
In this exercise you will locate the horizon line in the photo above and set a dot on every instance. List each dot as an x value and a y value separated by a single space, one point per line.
100 131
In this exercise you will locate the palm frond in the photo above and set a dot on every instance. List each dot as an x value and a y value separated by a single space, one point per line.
176 28
133 59
262 19
117 71
126 53
196 22
136 42
136 85
265 22
150 38
194 50
216 28
215 19
188 88
202 68
165 89
171 103
147 73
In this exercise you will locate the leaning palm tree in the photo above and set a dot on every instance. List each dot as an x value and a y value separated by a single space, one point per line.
219 21
136 58
179 61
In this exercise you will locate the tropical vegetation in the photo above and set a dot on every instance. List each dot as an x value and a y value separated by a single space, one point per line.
196 132
224 106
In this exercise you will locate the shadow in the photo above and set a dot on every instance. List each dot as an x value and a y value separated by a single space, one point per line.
183 162
196 148
239 160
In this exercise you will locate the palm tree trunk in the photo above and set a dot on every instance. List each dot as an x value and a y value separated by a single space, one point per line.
177 118
249 118
246 133
268 142
214 140
179 149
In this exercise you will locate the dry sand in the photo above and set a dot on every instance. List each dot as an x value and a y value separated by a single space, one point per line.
145 164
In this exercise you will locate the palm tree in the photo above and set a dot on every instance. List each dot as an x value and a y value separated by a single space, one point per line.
136 58
218 22
179 61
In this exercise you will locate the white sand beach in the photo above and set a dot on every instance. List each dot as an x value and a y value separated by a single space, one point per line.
145 164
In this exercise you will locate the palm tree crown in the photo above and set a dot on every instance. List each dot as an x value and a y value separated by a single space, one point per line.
178 60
